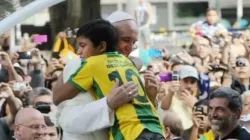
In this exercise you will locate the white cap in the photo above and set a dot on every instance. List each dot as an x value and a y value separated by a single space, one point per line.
71 67
188 71
119 16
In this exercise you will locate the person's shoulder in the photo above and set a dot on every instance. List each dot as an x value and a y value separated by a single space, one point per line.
245 132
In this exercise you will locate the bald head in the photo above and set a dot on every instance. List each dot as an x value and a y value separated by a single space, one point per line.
25 115
172 121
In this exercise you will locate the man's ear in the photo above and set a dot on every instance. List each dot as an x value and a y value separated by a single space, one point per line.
237 113
103 47
17 130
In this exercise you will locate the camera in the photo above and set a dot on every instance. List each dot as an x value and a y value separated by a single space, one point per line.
19 86
200 109
24 55
240 63
43 107
175 76
165 77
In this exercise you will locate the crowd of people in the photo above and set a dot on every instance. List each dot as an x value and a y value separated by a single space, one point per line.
200 93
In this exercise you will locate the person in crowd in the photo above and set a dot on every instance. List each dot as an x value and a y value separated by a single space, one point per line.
225 109
209 27
201 55
37 73
234 50
200 122
52 132
7 71
181 95
245 115
173 126
14 105
100 47
31 126
240 79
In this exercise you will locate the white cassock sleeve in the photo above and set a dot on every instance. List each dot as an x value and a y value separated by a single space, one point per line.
90 117
82 114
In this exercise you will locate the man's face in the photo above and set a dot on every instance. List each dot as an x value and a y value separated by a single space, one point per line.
189 83
212 17
128 35
203 48
51 134
34 129
86 48
220 116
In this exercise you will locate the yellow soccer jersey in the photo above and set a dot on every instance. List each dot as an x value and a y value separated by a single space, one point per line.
98 74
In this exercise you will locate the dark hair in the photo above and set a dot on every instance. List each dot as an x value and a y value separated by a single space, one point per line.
201 102
211 9
234 100
100 30
49 123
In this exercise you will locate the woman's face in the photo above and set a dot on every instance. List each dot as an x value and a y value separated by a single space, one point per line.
242 68
246 107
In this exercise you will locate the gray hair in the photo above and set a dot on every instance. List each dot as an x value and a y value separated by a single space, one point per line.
234 99
245 94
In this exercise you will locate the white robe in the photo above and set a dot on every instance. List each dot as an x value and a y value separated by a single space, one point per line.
82 118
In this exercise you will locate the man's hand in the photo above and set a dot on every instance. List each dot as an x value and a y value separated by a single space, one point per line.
187 98
5 60
185 57
36 56
5 91
152 85
174 87
122 95
197 119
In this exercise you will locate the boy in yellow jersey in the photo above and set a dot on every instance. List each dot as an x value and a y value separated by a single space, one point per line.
102 66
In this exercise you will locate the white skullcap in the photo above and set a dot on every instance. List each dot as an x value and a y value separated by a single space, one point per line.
119 16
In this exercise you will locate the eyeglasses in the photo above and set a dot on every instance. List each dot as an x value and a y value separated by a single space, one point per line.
35 127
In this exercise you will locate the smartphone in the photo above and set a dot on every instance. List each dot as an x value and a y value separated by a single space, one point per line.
19 86
43 107
200 109
175 76
24 55
165 77
41 39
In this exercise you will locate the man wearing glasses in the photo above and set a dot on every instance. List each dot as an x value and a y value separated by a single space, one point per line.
29 125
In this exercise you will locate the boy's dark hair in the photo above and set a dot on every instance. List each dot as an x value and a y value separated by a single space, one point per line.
100 30
234 99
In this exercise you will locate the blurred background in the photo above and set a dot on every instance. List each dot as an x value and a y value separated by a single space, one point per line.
169 23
